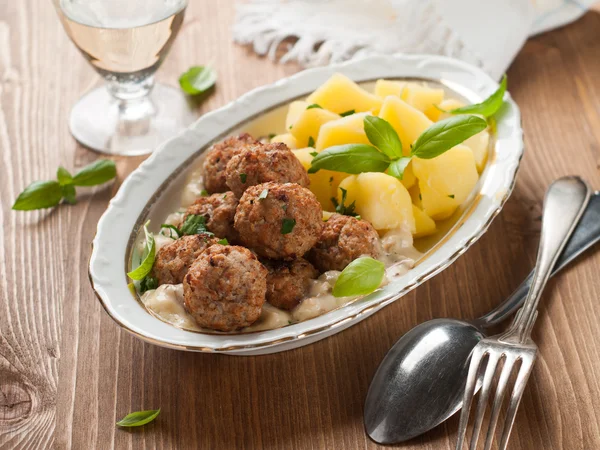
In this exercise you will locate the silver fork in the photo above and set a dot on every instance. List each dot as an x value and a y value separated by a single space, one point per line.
565 201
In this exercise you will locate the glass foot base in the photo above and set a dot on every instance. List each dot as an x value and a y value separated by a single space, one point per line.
100 122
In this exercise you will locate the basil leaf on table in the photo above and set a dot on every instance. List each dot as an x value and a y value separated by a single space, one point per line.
148 260
38 195
197 80
69 194
362 276
445 134
63 176
383 136
489 106
138 418
398 167
98 172
350 158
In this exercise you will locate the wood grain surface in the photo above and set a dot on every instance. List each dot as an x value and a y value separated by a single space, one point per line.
67 372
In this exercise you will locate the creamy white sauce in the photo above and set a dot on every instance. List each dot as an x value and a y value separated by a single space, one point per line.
167 303
193 188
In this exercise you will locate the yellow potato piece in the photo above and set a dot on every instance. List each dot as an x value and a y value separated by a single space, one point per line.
447 105
308 124
383 88
287 139
424 225
422 98
436 206
408 122
479 144
324 183
340 94
408 179
415 195
346 130
294 111
452 174
380 199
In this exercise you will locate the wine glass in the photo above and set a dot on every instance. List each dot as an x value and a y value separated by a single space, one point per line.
125 42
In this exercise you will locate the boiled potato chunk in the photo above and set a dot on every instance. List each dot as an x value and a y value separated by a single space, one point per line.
324 183
422 98
479 144
346 130
408 179
308 124
287 139
340 94
424 225
380 199
436 206
452 176
383 88
415 195
438 113
408 121
294 111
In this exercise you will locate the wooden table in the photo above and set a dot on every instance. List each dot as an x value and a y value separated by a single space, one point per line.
68 372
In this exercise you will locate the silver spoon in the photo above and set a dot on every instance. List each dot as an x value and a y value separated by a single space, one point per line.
420 382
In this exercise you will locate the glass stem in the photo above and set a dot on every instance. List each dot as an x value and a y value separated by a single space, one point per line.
133 98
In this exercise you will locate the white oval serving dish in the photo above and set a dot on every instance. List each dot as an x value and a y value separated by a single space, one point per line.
151 191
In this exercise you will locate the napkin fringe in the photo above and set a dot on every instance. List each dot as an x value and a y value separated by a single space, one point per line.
332 36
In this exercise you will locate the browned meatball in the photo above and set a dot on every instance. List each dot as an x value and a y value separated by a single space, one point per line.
219 211
174 259
343 239
279 221
217 158
288 282
225 288
262 163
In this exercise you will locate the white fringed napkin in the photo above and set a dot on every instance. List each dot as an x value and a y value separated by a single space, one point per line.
483 32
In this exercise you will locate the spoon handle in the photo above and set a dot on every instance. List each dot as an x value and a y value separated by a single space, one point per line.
564 204
586 234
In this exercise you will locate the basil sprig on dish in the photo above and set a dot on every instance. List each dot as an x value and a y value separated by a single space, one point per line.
148 257
138 418
47 194
489 106
385 153
342 208
197 80
362 276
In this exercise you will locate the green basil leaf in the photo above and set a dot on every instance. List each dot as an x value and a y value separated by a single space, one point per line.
38 195
171 228
445 134
313 154
350 158
489 106
311 142
197 80
243 178
223 241
150 253
383 136
362 276
98 172
148 283
348 113
68 192
63 176
194 224
287 225
314 105
398 167
138 418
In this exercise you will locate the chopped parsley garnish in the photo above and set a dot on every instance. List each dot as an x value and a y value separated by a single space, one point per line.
311 142
287 225
243 177
331 179
223 241
451 196
263 194
204 193
313 154
194 224
224 196
284 206
348 113
172 229
271 135
341 208
148 283
314 105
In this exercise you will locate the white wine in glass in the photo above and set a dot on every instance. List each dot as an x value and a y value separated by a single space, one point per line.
126 41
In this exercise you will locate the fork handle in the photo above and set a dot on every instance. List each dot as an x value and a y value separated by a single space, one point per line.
564 204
